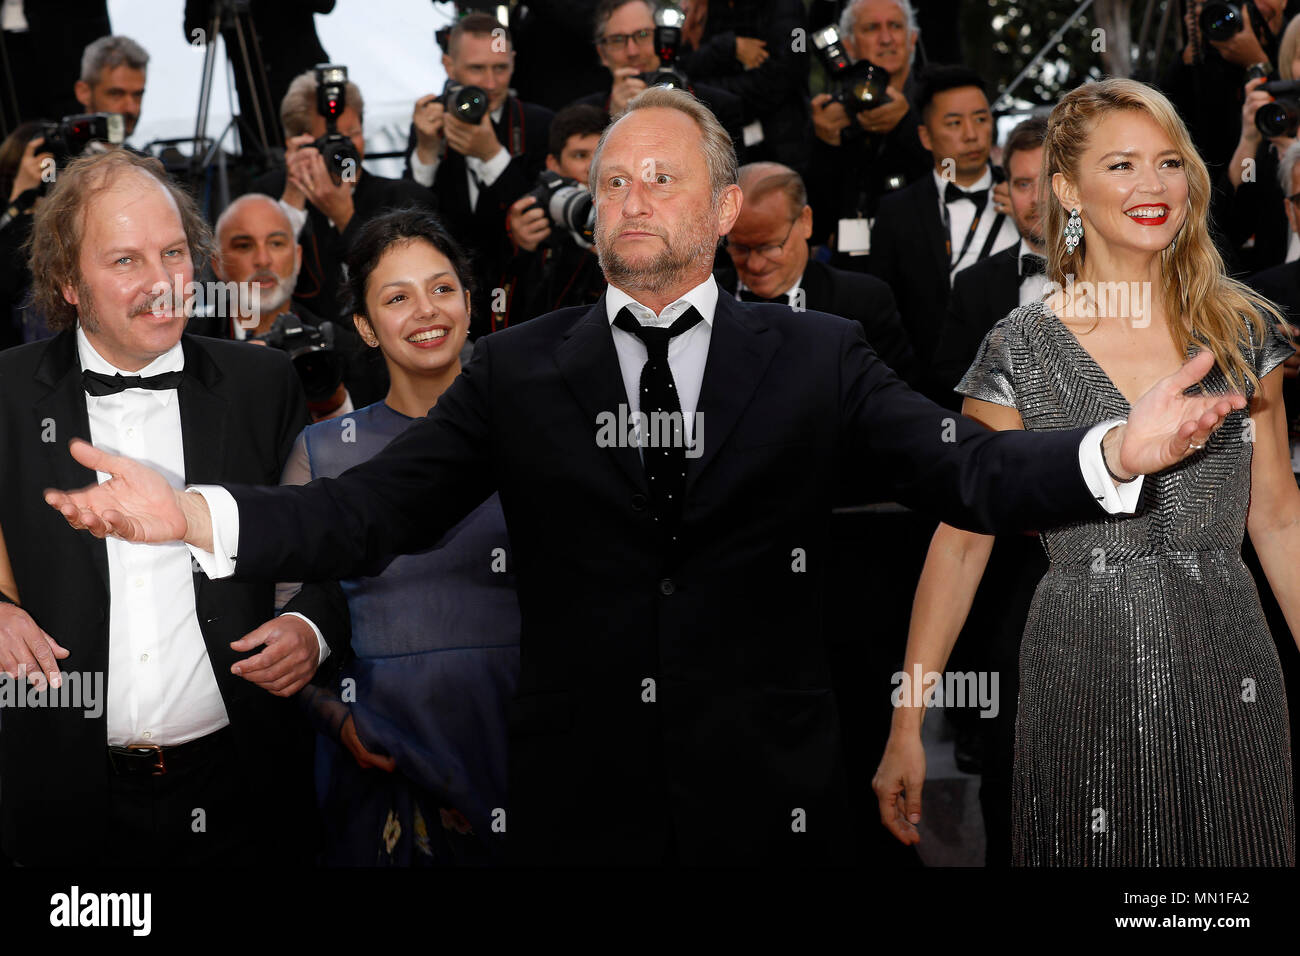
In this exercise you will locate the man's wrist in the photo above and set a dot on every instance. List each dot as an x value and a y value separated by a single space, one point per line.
198 519
1110 444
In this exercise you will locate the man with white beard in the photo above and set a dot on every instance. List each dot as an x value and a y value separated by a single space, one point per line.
257 246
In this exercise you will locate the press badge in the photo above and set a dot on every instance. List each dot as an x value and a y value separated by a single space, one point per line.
854 236
753 133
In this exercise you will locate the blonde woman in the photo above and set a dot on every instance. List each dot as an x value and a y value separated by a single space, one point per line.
1152 725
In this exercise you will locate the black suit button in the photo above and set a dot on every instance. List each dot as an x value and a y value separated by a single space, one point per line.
639 501
666 586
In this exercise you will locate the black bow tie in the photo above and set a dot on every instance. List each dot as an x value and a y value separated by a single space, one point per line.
1031 264
748 295
96 383
952 192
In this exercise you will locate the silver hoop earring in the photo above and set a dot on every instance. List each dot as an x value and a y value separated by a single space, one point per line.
1073 232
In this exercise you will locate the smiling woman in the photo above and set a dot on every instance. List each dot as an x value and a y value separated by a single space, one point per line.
1152 725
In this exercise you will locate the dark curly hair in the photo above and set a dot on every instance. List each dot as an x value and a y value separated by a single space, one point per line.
54 248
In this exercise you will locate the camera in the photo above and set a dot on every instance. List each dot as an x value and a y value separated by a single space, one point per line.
469 104
1221 20
1282 116
566 203
857 86
341 157
67 138
318 364
668 38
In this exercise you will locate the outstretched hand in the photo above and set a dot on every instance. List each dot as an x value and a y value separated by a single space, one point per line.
135 504
1165 425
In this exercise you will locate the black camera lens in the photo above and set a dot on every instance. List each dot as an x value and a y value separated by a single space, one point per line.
1279 118
1221 20
469 104
865 87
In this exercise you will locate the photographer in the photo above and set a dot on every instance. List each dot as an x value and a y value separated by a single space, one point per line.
477 170
325 206
112 78
21 178
1206 83
550 269
856 159
625 42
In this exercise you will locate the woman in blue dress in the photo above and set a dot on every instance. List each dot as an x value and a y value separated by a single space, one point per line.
411 756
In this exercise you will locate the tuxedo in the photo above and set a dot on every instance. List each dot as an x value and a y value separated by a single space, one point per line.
981 295
240 409
673 701
911 250
480 227
850 295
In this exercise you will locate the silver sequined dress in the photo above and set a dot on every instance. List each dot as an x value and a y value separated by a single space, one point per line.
1152 727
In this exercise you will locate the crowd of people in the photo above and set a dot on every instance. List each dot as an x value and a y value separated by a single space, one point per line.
361 528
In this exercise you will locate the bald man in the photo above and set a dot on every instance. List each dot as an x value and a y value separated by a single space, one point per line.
769 262
256 245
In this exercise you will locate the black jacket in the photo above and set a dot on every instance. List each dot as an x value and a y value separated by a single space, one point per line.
981 295
685 694
241 409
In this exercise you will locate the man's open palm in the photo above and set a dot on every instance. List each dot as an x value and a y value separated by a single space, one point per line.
135 504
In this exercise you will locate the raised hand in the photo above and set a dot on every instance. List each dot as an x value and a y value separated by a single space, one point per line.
135 504
1165 426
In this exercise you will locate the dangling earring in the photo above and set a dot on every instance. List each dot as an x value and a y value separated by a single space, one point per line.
1174 245
1073 232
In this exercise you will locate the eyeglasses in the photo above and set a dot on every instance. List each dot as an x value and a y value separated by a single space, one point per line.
615 40
768 252
1295 198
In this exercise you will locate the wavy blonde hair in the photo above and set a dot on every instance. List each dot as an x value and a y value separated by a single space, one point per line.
1206 306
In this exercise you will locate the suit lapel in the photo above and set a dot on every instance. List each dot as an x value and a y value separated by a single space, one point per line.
1007 287
936 233
589 363
815 284
741 346
61 412
204 416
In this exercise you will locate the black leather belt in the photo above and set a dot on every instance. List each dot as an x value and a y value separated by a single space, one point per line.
148 760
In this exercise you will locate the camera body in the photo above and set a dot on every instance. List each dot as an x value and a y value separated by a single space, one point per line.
1282 116
318 364
567 204
340 155
856 86
469 104
69 137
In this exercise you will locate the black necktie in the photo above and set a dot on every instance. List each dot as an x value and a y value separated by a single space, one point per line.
96 383
1031 265
952 192
748 295
663 439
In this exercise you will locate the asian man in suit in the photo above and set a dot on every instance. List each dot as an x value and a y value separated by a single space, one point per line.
666 461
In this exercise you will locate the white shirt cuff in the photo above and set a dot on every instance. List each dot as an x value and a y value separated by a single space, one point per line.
1115 498
297 217
220 563
488 172
422 173
320 640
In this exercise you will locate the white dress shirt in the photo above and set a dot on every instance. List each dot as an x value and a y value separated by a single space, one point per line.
161 688
687 355
959 216
477 170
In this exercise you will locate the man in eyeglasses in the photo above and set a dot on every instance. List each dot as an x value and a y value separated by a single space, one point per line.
769 262
625 42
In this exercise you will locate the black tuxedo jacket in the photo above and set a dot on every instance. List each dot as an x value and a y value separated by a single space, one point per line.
481 231
668 696
241 408
909 250
850 295
981 294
